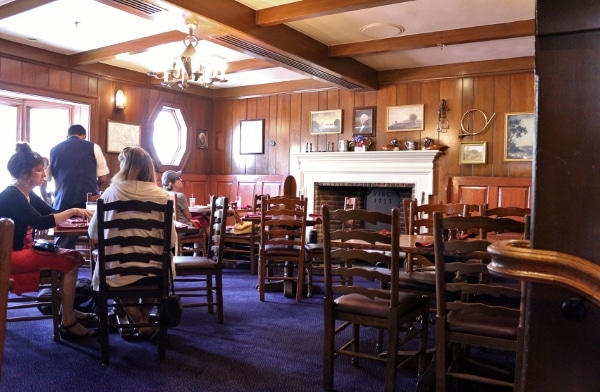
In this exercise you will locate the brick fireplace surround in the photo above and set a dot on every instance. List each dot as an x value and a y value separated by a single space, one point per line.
403 170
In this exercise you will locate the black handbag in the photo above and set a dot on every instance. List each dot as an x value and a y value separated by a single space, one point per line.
172 308
45 246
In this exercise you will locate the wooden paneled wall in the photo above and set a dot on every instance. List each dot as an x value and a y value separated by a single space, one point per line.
288 117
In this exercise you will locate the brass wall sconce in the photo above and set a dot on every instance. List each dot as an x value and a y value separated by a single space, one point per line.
120 99
443 123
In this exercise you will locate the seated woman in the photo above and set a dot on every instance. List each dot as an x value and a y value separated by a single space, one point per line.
29 212
135 180
173 184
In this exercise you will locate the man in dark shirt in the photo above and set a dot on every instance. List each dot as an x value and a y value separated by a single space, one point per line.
77 166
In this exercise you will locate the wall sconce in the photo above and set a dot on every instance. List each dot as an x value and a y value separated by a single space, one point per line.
443 123
120 99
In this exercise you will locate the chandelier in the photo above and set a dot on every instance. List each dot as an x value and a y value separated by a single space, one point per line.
190 68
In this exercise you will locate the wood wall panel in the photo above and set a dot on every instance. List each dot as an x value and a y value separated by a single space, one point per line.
287 117
491 94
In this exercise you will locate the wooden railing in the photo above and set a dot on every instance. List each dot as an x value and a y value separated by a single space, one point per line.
514 258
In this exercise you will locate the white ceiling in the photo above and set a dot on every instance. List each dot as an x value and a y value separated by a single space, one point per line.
74 26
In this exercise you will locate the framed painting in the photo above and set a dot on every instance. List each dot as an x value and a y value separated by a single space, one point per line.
252 137
473 153
518 136
364 121
201 139
326 121
120 135
405 118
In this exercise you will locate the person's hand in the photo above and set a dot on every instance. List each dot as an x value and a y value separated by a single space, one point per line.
82 212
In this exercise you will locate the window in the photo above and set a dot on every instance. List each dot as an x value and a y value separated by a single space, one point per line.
43 122
9 120
169 136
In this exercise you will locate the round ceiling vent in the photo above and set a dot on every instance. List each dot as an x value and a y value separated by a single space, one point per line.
382 30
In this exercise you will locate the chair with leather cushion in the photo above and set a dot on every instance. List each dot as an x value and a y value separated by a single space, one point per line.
242 240
314 251
25 306
199 279
7 230
373 300
282 239
190 240
123 253
481 313
418 275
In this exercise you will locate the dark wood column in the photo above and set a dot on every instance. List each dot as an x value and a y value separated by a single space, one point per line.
562 355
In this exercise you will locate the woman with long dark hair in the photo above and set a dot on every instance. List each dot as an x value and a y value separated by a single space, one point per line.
29 212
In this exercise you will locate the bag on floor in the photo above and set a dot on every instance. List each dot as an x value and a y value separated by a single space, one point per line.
171 310
85 297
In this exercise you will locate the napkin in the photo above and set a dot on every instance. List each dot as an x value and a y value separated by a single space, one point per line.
242 228
424 245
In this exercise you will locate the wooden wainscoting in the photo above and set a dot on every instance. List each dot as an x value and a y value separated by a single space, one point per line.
493 191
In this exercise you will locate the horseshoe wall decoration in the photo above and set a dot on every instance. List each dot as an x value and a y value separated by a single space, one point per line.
465 131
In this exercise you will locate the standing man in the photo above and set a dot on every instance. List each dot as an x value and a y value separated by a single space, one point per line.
77 167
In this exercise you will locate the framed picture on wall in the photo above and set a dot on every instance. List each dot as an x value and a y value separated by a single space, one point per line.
473 153
326 121
252 137
120 135
364 121
201 139
518 137
404 118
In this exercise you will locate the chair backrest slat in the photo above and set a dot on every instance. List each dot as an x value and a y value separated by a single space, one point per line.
361 266
134 245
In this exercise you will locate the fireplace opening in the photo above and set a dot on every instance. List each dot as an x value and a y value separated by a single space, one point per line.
370 196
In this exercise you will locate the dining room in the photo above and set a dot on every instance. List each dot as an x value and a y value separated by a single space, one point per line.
563 164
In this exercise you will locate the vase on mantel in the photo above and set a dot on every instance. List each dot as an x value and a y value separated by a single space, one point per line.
360 149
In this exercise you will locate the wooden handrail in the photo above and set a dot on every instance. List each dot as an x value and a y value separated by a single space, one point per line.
514 258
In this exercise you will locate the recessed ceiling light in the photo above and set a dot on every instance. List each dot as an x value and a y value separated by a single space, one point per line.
31 39
382 30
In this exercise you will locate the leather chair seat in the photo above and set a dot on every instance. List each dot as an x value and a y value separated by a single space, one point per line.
504 327
359 304
195 262
281 250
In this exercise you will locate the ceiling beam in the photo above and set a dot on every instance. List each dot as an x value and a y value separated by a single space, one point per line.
314 8
247 65
521 28
310 57
458 70
292 86
18 7
131 47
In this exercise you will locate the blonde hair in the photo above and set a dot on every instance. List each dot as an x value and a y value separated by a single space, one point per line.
136 165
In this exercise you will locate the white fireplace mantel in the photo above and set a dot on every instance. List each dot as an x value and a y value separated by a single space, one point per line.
397 167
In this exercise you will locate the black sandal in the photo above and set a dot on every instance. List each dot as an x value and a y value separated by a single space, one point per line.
90 320
66 333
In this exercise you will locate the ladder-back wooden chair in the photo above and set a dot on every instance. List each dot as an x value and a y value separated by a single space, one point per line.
241 246
134 246
7 229
483 313
202 276
373 299
282 240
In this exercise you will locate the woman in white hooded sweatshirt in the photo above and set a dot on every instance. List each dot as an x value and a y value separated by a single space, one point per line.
136 180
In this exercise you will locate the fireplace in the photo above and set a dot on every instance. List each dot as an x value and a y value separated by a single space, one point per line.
408 172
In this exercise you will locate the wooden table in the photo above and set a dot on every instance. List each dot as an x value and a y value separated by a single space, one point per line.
75 228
